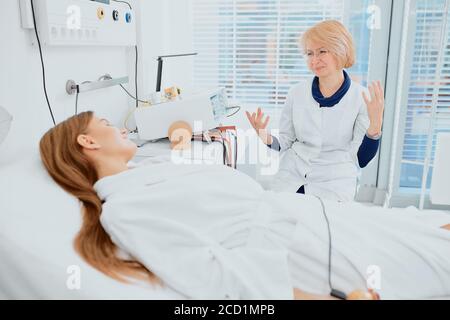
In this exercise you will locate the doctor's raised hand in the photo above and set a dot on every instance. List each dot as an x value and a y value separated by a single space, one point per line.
260 125
375 108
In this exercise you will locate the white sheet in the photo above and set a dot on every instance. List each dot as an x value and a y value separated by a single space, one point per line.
38 222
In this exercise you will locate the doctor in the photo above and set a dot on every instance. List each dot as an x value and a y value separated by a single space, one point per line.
330 126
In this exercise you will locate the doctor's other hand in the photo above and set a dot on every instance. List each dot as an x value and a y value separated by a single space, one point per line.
375 107
258 123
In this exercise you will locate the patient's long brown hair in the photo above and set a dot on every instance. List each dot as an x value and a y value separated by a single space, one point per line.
71 169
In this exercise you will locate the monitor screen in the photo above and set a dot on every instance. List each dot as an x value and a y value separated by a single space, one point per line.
219 103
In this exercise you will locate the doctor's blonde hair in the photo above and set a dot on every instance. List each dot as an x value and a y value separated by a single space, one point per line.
336 38
64 160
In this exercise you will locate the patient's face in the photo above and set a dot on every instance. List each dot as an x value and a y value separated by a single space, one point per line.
107 140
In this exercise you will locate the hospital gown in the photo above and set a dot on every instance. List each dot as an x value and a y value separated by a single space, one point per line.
211 232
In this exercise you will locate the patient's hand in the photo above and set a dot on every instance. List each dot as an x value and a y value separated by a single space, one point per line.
302 295
363 295
446 227
354 295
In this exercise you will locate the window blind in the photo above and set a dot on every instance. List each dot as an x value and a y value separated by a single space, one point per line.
250 47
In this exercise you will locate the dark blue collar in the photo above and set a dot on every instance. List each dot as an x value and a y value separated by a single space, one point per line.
335 98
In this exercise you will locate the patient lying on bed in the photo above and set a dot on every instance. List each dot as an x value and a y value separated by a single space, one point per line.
211 232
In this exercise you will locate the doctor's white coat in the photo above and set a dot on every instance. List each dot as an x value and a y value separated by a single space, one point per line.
319 145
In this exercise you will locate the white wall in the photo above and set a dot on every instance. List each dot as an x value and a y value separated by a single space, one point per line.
152 40
179 71
21 91
166 30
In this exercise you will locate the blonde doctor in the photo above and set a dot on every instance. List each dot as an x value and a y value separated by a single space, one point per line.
330 125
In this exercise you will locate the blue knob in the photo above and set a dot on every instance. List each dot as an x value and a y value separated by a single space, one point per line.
128 17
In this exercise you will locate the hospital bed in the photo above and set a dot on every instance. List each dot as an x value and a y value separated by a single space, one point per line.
38 222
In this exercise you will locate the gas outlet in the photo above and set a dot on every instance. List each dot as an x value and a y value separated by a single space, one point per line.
115 15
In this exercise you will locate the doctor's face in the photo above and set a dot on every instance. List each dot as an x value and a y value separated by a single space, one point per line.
320 60
104 140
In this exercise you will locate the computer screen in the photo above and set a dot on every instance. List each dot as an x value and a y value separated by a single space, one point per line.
219 103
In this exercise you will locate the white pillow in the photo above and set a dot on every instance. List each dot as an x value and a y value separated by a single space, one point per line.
38 223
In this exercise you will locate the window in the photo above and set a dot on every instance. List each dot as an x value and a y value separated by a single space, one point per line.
428 92
250 46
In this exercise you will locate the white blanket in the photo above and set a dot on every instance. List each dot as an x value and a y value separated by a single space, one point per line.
212 232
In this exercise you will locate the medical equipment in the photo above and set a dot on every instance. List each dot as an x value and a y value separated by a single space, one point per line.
440 187
61 23
354 295
104 82
334 293
160 67
230 150
119 1
5 123
226 135
202 111
238 108
81 23
172 93
44 82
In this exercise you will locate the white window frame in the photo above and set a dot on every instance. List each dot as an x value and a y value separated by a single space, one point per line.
379 56
397 84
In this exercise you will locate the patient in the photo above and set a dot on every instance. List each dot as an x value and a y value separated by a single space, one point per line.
211 232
